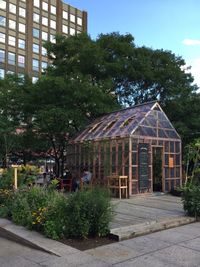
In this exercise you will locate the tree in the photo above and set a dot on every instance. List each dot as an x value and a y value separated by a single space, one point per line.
132 74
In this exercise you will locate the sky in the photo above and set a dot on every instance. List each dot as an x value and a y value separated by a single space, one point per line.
159 24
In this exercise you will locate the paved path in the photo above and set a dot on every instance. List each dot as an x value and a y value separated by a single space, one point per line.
141 209
177 247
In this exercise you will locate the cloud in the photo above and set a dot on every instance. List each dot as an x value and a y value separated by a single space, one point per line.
195 69
191 42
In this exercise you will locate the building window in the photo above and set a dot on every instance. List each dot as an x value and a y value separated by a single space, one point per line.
34 79
36 3
36 33
11 40
35 64
52 24
72 31
12 8
12 24
22 27
36 17
2 37
44 51
11 58
21 43
22 12
2 21
44 65
2 74
2 4
44 36
79 21
36 48
45 21
65 29
65 15
52 38
44 6
53 10
2 56
21 61
72 18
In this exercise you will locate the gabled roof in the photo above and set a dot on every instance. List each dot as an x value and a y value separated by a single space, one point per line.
125 122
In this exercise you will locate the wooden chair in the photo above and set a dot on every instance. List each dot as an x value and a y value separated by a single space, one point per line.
66 184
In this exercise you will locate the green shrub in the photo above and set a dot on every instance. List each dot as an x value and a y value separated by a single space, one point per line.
191 199
89 213
7 179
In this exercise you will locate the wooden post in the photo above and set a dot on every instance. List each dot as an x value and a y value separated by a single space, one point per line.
15 176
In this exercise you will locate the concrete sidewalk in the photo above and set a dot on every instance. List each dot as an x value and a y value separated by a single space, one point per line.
147 213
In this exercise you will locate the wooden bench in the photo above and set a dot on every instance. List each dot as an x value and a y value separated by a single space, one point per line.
118 184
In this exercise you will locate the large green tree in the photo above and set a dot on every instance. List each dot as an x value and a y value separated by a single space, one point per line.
132 74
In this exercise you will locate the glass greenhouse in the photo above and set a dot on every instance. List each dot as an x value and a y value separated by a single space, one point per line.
138 142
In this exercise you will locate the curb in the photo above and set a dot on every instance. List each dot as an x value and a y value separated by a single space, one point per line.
33 239
123 233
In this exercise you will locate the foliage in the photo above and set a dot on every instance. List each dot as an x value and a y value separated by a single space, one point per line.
7 179
89 213
84 213
191 199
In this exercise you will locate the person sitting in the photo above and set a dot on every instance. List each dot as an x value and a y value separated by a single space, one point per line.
85 179
87 176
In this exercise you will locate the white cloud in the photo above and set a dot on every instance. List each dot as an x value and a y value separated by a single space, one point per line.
195 69
191 42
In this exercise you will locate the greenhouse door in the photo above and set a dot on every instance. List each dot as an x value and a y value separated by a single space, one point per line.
143 167
157 169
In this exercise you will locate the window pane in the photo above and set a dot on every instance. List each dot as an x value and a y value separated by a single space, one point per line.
44 36
2 74
35 64
36 48
2 55
36 17
21 61
11 58
53 24
22 27
12 24
65 29
11 40
36 3
22 12
72 31
2 4
79 21
12 8
52 39
72 18
2 37
36 33
45 6
2 21
45 21
53 9
44 65
44 51
21 43
65 14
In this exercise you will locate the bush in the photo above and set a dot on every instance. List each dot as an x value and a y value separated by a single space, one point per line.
191 199
7 179
85 213
89 213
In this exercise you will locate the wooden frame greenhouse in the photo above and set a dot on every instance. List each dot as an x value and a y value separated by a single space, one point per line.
139 142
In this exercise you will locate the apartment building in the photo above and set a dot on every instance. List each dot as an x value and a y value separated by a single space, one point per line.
26 24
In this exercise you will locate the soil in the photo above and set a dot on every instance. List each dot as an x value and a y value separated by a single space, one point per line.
88 243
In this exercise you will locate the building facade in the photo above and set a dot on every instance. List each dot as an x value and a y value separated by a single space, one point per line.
26 24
